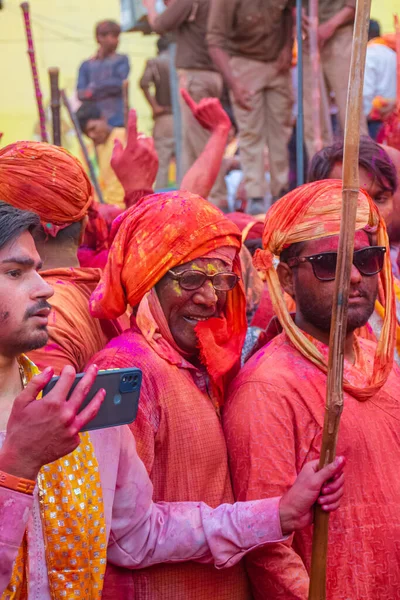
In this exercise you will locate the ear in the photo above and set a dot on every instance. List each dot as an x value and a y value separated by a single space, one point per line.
285 274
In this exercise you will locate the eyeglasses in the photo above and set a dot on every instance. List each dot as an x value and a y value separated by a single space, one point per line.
369 261
193 280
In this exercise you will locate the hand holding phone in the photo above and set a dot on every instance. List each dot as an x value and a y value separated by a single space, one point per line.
42 431
122 388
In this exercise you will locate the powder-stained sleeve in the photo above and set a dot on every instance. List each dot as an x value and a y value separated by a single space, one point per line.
144 533
15 508
260 430
142 428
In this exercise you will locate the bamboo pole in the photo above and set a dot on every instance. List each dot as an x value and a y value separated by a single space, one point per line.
125 99
79 135
315 75
35 75
334 391
55 105
300 100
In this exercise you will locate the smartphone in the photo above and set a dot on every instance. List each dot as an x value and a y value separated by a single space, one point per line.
122 396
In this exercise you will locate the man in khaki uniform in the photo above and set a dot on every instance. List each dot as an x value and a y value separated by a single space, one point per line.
157 74
250 41
197 73
335 37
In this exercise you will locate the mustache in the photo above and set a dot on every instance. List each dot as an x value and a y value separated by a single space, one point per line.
39 306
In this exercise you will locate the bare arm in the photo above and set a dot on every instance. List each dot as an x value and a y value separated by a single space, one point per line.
171 18
145 82
286 54
220 58
219 27
343 17
200 178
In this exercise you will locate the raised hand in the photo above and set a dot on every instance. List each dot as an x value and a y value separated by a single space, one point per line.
208 112
42 431
324 486
135 165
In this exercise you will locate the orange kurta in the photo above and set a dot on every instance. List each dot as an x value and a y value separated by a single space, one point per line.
74 335
179 437
273 421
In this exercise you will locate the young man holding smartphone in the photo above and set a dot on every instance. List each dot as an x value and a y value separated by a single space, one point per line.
71 500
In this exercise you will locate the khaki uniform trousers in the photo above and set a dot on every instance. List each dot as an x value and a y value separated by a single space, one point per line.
335 67
200 84
268 122
164 142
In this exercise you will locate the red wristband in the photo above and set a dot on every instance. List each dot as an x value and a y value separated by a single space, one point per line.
25 486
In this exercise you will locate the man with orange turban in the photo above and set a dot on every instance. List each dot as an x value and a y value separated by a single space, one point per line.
175 260
274 414
52 183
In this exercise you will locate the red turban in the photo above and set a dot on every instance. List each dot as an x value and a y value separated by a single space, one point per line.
46 180
310 212
158 233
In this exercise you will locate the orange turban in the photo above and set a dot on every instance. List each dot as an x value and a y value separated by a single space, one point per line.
158 233
46 180
310 212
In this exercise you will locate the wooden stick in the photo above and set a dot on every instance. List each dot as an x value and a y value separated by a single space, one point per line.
79 135
125 98
55 105
35 75
334 391
315 75
300 110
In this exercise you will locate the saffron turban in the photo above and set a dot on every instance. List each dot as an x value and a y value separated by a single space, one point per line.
158 233
310 212
46 180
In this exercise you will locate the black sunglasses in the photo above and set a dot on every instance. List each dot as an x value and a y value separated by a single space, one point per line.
193 280
369 261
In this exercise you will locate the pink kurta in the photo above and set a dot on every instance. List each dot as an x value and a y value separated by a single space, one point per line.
273 421
139 532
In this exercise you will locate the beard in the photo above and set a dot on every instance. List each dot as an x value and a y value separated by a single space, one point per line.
320 316
24 342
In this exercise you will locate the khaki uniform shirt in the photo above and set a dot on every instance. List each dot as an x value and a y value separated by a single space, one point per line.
188 18
255 29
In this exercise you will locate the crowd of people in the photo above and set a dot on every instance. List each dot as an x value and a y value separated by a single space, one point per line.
225 307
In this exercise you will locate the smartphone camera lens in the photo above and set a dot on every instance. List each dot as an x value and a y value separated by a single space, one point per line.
128 383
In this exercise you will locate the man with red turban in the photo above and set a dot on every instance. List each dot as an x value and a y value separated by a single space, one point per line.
175 260
273 418
52 183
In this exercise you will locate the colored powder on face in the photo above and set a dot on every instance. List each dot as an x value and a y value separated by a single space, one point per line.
176 288
211 269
